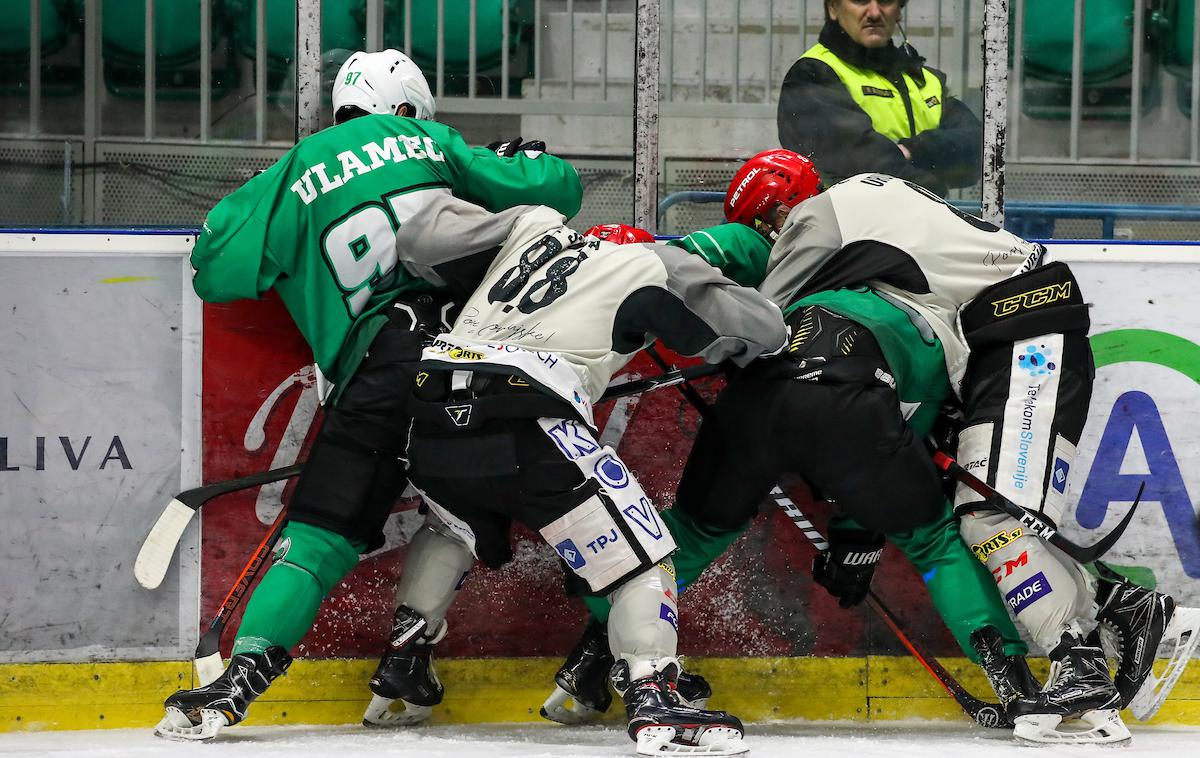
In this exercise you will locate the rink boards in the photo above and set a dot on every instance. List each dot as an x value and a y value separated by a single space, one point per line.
119 387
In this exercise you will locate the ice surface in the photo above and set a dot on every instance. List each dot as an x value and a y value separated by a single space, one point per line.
782 740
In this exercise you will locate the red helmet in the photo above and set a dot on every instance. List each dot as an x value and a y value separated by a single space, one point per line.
622 234
772 176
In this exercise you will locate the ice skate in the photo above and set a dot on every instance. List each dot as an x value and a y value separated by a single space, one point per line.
661 725
1079 703
581 691
1140 620
202 713
405 685
581 684
1009 675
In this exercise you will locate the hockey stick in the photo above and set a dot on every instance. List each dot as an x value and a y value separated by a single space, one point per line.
208 651
1033 522
983 713
157 550
154 558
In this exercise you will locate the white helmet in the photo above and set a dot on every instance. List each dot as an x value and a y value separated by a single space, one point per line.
381 82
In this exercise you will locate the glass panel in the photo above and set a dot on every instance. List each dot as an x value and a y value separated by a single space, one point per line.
742 77
1123 165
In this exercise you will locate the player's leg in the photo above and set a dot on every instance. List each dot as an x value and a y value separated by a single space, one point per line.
609 533
719 494
1025 396
435 568
355 472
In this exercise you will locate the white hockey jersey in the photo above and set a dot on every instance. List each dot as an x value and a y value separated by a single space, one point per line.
904 242
544 299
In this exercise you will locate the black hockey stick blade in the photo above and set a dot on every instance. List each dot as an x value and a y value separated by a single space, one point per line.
990 715
158 549
1034 523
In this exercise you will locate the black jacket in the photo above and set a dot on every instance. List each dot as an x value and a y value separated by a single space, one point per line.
818 118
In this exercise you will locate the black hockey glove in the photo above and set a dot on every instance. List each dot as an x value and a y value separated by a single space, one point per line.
509 148
845 571
944 437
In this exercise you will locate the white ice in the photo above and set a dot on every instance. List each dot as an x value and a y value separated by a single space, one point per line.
781 740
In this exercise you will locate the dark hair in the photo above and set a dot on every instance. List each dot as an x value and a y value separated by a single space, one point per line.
347 112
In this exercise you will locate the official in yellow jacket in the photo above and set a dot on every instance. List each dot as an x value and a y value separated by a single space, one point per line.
855 102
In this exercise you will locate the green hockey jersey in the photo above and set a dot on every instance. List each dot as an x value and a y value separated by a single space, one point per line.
914 355
319 226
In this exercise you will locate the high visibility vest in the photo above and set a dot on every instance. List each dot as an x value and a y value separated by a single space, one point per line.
880 98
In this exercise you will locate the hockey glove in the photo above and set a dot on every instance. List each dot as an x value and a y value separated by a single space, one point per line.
845 570
509 148
944 437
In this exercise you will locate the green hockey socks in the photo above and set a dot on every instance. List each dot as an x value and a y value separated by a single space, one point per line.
309 562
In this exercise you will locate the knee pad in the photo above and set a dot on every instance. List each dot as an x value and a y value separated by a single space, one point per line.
644 621
606 542
324 555
436 566
1043 588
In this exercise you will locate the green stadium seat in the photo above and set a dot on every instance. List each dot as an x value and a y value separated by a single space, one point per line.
1107 59
489 38
15 26
176 48
58 78
339 29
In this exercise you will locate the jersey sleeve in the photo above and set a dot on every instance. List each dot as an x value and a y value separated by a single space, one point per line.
737 250
525 179
232 258
698 311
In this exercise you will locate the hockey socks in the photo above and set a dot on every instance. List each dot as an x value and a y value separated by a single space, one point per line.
960 587
309 562
698 547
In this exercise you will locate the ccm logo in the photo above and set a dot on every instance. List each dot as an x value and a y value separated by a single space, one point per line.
1032 299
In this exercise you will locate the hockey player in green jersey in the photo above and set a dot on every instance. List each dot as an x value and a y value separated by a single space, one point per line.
319 228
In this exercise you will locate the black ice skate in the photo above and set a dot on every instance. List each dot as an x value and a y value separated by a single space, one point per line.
1140 619
201 714
1079 688
1009 675
405 675
582 681
661 725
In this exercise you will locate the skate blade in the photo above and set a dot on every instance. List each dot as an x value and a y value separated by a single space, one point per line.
555 709
717 740
381 713
1184 631
1102 727
176 726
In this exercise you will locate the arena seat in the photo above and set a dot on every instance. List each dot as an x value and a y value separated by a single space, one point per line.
15 26
55 19
1047 45
176 48
339 30
489 39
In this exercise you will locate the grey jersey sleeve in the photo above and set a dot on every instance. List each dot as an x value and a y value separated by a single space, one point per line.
810 238
452 242
698 311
